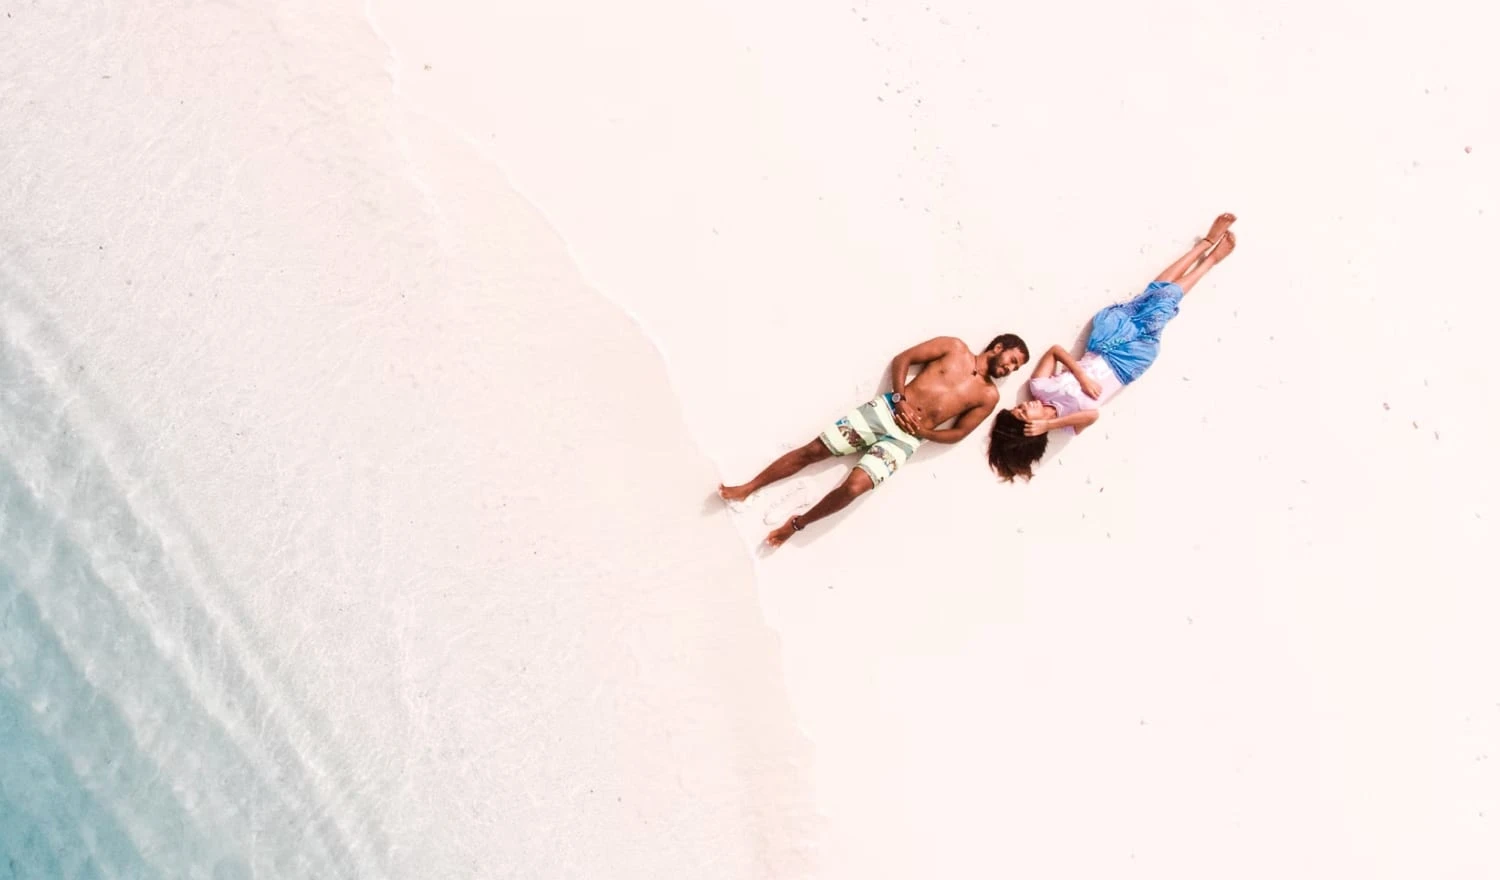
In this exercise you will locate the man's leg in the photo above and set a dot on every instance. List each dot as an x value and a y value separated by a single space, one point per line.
1212 260
779 469
1184 264
856 484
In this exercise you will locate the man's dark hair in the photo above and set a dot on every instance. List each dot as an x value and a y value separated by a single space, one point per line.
1010 340
1012 453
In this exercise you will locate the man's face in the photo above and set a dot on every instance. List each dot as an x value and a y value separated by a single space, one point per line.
1005 362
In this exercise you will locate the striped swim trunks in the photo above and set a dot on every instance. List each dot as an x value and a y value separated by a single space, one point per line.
872 429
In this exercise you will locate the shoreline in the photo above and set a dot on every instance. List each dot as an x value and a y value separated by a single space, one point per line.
325 343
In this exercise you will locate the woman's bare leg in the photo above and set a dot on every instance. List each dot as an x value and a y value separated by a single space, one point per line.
1208 262
1186 262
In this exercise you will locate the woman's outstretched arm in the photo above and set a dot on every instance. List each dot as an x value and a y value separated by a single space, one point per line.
1077 421
1046 366
1090 387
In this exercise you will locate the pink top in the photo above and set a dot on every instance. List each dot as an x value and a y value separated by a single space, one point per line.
1062 392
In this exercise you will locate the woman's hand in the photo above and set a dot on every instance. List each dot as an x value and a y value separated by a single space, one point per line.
1037 427
1090 387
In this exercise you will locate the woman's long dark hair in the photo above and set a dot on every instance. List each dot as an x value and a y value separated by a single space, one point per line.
1012 453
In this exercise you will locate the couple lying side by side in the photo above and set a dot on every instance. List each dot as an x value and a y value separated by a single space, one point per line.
957 385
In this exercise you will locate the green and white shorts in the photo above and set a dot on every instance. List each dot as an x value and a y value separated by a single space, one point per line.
872 429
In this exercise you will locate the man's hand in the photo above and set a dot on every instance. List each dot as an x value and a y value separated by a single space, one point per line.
1038 427
1090 387
908 419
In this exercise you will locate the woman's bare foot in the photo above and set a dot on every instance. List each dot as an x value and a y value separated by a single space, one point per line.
1221 225
734 493
778 537
1225 249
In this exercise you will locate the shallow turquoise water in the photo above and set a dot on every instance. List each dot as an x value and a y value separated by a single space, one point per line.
135 739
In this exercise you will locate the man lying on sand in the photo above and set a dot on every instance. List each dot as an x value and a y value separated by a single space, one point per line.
954 383
1123 342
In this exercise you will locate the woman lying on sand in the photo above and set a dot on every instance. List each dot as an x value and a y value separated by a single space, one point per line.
1124 341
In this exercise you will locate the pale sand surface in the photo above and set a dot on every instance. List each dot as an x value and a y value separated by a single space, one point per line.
1242 627
467 611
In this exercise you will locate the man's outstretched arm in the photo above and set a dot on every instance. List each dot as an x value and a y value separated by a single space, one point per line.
962 428
917 355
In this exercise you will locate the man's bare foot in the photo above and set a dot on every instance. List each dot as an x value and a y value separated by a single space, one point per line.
734 493
778 537
1217 231
1224 249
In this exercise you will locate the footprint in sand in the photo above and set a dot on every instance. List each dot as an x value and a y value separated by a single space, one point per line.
787 503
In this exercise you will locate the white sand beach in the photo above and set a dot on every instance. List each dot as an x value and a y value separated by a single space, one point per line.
369 371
